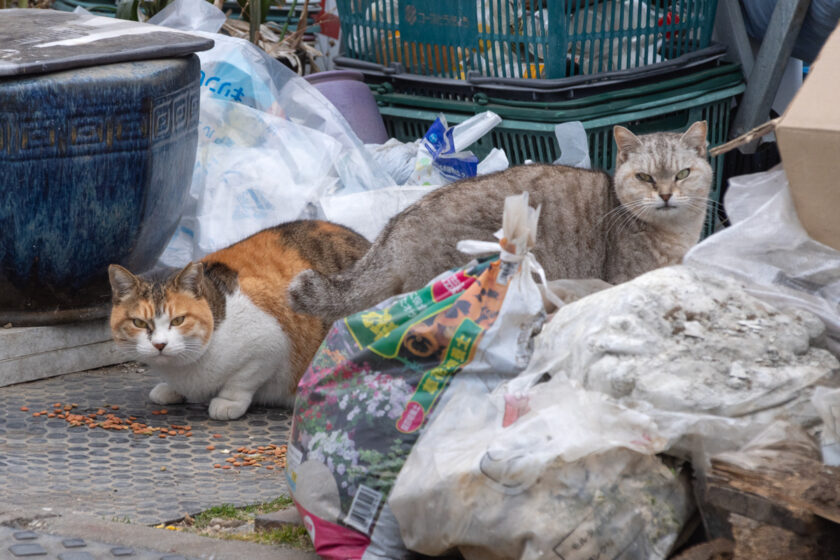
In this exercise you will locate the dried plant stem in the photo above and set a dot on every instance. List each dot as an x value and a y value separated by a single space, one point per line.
745 138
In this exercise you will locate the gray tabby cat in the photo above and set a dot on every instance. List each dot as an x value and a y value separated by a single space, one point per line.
647 217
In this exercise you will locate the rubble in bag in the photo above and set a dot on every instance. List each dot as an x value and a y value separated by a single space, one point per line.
683 339
380 376
547 470
767 248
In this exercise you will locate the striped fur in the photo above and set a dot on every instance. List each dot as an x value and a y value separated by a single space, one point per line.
591 226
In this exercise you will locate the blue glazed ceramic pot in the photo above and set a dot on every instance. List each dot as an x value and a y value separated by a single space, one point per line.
95 166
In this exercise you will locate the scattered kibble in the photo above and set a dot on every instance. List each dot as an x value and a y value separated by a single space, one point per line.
267 456
105 419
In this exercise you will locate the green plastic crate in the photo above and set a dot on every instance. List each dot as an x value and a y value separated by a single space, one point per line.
523 38
534 140
659 93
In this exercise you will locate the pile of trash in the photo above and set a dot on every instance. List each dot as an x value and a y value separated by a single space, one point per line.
471 415
592 449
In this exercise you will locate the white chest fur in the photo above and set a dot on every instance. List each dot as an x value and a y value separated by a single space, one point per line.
247 358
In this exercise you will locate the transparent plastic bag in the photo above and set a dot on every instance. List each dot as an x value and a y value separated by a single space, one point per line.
692 349
767 247
538 469
238 78
418 168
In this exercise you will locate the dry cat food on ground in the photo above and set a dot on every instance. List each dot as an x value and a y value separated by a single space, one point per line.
268 456
104 419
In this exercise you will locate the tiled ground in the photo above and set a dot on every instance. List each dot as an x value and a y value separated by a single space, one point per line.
26 544
118 475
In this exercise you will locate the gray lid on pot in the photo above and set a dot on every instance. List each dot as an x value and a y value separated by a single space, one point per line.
39 41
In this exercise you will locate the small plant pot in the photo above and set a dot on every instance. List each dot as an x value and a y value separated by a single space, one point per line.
347 90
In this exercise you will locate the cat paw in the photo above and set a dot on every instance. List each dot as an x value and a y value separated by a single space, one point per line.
164 394
226 409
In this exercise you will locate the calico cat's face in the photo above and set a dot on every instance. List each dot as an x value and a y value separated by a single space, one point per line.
663 178
160 322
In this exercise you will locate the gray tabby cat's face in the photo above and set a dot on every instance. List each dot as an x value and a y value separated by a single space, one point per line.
663 178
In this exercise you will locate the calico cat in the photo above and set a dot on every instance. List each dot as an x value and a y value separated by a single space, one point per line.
220 330
647 216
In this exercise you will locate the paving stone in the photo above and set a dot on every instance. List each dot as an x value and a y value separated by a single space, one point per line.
25 535
76 555
54 547
28 549
119 475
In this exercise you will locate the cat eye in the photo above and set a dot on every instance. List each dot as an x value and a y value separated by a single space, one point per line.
644 177
140 324
683 174
177 321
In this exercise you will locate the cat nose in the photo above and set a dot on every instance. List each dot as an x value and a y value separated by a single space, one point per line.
159 345
665 196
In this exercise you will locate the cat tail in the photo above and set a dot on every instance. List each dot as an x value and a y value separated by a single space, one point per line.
333 297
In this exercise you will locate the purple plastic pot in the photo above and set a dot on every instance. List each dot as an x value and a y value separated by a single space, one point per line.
347 90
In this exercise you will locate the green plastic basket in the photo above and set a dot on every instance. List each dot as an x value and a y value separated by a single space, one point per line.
659 93
535 141
523 38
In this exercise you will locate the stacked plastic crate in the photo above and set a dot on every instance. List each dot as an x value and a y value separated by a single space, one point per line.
645 64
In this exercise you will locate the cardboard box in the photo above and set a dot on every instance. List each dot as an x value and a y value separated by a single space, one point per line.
808 136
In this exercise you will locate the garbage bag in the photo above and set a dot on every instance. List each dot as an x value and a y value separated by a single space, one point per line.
544 470
418 168
767 248
692 349
381 375
233 73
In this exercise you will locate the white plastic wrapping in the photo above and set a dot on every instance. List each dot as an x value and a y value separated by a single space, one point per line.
290 146
768 248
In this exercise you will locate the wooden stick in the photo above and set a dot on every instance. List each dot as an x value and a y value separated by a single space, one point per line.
745 138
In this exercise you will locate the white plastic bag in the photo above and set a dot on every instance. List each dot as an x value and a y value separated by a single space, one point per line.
573 144
768 248
693 350
441 154
417 172
290 147
536 470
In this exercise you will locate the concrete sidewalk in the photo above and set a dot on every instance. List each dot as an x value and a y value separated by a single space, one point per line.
72 535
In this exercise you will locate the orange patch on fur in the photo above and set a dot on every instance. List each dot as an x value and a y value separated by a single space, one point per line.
265 268
198 319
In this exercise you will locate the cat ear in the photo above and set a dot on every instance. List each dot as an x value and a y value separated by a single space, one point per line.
626 142
695 137
189 279
123 283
